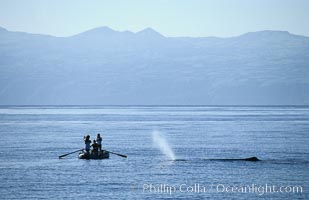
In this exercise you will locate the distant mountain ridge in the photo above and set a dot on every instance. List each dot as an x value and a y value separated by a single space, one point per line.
103 66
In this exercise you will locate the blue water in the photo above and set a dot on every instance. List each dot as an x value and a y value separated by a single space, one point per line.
32 138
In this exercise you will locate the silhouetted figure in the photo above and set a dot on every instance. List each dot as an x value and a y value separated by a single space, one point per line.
95 147
99 141
87 143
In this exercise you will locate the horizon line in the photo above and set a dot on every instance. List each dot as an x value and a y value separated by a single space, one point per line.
158 105
149 28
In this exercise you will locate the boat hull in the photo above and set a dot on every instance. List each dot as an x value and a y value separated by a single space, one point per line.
99 156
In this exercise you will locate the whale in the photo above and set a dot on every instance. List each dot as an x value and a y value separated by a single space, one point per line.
252 159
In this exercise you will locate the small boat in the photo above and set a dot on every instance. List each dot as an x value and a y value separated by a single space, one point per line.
95 156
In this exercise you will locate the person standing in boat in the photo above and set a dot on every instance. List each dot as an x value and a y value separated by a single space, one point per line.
87 143
99 142
95 147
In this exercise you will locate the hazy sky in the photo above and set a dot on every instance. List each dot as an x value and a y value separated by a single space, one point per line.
170 17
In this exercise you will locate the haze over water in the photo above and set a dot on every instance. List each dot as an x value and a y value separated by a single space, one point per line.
33 137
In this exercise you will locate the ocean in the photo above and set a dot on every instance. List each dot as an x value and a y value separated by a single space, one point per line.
200 137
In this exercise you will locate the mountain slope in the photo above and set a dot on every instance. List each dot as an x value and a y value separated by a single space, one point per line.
103 66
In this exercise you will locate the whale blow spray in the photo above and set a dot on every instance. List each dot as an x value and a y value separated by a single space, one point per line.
160 142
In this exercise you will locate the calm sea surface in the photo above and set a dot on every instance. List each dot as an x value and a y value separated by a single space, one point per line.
32 138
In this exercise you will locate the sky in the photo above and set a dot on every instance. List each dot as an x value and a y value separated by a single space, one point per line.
194 18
